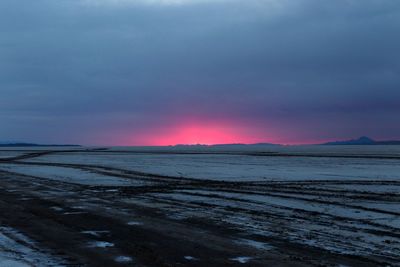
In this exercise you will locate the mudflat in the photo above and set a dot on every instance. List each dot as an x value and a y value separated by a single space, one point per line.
114 207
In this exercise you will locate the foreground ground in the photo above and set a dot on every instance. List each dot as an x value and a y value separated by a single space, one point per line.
146 208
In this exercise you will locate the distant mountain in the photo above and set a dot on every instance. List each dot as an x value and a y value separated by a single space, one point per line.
242 145
225 145
22 144
360 141
364 140
221 147
7 142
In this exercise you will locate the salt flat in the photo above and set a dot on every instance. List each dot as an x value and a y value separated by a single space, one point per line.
286 206
16 250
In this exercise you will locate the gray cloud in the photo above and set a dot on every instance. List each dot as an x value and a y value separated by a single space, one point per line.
301 66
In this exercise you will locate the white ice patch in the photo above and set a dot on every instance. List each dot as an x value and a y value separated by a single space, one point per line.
69 175
16 250
100 244
57 208
250 168
132 223
10 154
74 213
190 258
242 259
95 233
12 190
123 259
255 244
7 262
79 207
112 190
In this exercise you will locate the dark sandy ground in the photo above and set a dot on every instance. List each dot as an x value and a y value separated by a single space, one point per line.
136 226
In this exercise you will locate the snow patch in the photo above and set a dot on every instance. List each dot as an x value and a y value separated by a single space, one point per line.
57 208
242 259
95 233
255 244
16 250
100 244
132 223
123 259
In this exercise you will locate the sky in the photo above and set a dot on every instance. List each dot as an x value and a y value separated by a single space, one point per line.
164 72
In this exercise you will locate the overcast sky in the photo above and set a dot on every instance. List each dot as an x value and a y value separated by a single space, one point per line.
131 72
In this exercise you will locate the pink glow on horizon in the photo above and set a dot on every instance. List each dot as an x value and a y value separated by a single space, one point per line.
199 133
196 134
205 132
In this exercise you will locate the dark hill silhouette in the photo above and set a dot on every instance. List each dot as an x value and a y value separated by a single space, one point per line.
364 140
21 144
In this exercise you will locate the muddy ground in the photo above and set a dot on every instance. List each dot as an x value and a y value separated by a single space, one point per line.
209 224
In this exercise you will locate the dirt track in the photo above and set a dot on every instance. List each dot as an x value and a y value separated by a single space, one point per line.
170 221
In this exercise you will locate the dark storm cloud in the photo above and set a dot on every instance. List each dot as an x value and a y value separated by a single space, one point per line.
317 69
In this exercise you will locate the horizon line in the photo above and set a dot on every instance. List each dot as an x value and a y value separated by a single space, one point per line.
193 144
